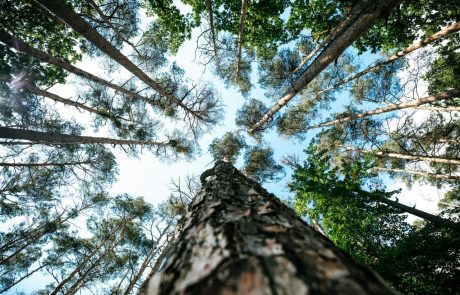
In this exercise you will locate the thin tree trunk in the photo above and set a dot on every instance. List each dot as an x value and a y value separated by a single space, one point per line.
211 26
23 47
435 159
448 140
239 239
421 173
414 46
419 213
345 37
393 107
73 20
144 264
439 109
244 11
82 276
109 23
82 264
12 284
58 138
47 164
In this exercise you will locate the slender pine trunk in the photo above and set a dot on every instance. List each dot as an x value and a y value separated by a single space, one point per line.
59 138
393 107
414 46
239 239
373 11
435 159
212 27
244 11
421 173
419 213
73 20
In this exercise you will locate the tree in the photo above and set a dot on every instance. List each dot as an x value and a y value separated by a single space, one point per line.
346 35
269 244
259 164
374 233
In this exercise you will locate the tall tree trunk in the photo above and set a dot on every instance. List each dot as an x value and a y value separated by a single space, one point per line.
370 14
435 159
145 263
244 11
419 213
73 20
109 24
23 47
83 263
394 107
14 283
421 173
59 138
48 164
239 239
414 46
439 109
208 4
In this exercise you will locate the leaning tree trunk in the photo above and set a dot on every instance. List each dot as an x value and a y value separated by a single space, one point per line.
239 239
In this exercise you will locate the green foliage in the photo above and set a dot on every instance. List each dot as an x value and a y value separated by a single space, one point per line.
228 147
415 261
260 165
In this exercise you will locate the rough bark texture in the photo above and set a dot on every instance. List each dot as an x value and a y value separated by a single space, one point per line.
370 14
239 239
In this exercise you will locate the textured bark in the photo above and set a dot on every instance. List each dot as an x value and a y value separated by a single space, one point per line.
244 11
421 173
439 109
368 16
58 138
394 107
435 159
239 239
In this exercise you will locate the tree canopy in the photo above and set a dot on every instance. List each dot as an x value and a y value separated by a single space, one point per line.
370 88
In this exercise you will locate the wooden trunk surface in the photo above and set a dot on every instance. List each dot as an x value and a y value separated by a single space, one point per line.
239 239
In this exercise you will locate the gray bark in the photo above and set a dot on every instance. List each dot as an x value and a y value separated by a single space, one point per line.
372 11
239 239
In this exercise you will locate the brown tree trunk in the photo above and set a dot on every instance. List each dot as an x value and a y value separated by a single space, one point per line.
239 239
394 107
211 26
244 11
109 23
23 47
73 20
439 221
439 109
421 173
370 14
414 46
59 138
435 159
